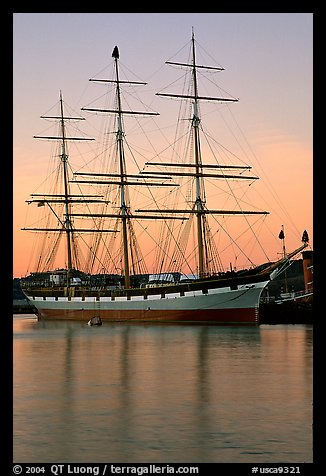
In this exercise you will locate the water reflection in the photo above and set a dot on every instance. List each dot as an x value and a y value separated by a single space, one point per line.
142 393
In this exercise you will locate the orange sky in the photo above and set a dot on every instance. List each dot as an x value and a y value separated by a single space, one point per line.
291 184
269 67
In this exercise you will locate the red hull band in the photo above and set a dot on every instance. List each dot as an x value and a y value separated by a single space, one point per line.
218 316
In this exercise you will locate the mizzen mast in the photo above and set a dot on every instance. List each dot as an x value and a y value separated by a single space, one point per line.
65 198
64 158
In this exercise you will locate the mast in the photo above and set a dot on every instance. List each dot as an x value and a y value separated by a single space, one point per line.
65 199
199 204
195 168
123 178
198 162
64 158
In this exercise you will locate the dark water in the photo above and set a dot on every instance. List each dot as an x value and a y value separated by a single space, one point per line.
161 393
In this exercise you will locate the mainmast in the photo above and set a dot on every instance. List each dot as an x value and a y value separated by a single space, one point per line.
123 178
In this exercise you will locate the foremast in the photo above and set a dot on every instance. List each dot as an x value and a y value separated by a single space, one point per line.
199 205
197 169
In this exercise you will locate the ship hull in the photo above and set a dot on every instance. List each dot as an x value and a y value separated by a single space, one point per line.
222 306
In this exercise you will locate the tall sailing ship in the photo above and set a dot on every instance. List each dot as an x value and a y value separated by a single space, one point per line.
189 283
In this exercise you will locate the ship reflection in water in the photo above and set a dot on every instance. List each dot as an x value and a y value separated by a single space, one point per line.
161 393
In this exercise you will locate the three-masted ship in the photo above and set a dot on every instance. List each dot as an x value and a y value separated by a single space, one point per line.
129 292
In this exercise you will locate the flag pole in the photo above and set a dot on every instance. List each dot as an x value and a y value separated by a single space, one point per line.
282 237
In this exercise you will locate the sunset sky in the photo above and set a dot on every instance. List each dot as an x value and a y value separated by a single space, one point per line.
268 61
